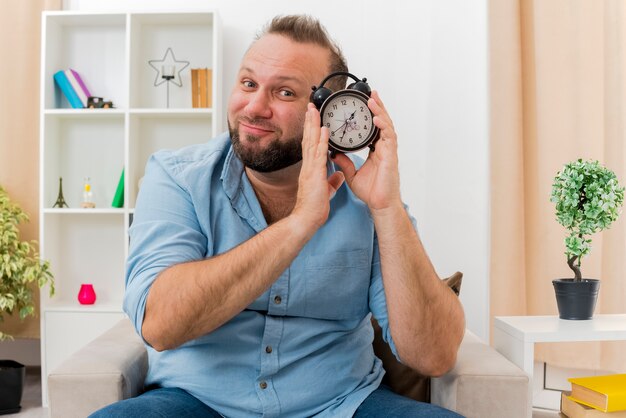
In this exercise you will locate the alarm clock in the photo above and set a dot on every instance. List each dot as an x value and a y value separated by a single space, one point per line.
345 113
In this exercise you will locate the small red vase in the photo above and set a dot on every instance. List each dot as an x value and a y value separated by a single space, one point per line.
86 295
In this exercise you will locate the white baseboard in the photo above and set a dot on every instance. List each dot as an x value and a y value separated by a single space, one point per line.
25 351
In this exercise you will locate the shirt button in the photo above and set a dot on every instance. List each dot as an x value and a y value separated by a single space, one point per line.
263 384
277 300
268 349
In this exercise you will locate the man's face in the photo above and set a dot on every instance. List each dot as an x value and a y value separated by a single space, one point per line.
268 103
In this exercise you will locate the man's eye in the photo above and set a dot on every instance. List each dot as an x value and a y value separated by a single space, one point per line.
249 84
286 93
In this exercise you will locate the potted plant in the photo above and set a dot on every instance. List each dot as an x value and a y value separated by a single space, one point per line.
588 199
20 269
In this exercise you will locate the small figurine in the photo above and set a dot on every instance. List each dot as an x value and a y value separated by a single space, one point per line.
60 203
87 195
94 102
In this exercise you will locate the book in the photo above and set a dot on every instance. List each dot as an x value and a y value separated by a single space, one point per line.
118 199
201 87
195 97
606 393
61 80
79 86
573 409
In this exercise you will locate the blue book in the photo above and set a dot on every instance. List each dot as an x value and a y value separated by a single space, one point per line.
68 91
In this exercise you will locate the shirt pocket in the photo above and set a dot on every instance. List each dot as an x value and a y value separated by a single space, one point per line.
337 285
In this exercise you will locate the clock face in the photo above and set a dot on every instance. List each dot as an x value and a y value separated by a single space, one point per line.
349 120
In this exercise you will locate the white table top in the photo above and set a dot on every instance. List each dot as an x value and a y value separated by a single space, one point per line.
552 329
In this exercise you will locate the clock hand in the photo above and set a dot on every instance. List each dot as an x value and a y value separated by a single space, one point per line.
344 130
342 126
345 124
348 124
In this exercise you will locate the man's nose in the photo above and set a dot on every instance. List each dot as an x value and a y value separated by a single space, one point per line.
259 105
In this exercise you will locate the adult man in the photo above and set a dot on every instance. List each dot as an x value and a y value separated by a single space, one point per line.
253 269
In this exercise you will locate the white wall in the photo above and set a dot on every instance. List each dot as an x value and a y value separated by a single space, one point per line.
428 60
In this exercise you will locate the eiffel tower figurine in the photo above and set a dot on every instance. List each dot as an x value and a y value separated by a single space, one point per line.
60 203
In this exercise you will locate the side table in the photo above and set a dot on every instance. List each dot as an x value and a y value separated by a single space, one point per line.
515 336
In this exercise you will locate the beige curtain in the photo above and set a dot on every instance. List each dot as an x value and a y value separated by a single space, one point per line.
558 93
20 39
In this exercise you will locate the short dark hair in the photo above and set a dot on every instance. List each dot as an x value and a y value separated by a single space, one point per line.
307 29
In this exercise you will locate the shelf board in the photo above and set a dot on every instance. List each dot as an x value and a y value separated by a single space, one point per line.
174 18
81 211
69 306
174 113
85 113
80 18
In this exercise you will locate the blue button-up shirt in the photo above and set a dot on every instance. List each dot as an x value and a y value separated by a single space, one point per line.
302 348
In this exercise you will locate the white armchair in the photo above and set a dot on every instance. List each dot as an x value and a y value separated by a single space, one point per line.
113 367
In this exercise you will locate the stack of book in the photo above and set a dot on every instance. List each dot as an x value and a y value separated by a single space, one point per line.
73 87
595 396
201 91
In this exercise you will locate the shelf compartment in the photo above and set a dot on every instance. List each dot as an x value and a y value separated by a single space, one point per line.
189 35
153 132
94 45
85 249
79 146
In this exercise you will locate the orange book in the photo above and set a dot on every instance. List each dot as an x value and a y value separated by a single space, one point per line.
209 87
605 393
572 409
194 89
201 87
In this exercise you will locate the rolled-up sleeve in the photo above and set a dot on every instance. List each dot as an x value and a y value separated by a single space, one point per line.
164 232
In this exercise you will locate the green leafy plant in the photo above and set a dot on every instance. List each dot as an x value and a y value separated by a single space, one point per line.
20 265
588 199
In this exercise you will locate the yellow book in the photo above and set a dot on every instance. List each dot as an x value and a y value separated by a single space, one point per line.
572 409
605 393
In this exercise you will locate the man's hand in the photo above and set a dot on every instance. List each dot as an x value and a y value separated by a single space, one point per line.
417 301
314 189
377 182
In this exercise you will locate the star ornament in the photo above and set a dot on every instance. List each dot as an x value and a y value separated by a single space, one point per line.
163 68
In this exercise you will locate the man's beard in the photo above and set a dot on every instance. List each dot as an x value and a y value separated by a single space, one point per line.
275 156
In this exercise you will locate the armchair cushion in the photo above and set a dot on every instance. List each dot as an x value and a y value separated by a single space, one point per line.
483 384
110 368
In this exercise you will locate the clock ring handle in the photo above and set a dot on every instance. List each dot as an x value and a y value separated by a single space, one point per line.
321 93
338 73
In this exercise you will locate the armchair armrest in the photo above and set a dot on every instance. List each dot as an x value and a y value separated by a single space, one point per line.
483 384
110 368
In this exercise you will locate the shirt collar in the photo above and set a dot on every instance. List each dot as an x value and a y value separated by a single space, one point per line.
240 192
232 173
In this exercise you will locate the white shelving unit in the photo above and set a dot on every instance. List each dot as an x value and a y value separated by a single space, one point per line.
111 52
